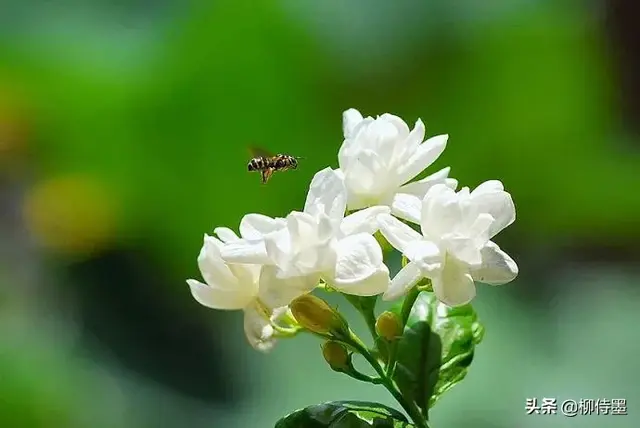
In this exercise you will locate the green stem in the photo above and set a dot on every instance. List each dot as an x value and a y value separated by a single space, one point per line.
363 377
407 305
370 319
368 315
411 409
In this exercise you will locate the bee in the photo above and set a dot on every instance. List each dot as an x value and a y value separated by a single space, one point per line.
268 163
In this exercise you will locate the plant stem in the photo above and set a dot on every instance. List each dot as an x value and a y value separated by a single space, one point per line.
411 409
407 305
368 315
364 378
386 375
370 319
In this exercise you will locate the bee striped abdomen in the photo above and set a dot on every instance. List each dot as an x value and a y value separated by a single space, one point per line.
257 164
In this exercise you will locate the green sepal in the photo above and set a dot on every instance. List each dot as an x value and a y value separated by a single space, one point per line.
345 414
435 350
382 241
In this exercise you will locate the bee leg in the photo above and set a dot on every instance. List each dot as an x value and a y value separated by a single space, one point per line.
266 174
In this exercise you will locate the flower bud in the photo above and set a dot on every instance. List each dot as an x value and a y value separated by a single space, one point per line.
388 326
336 356
317 316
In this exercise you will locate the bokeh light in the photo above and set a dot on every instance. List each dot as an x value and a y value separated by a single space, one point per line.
71 215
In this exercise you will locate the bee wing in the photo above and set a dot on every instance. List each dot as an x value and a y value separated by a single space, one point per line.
257 152
266 175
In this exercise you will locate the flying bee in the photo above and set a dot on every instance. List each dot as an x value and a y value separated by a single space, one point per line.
268 163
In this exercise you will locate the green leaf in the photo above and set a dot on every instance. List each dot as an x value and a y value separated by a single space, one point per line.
435 350
345 414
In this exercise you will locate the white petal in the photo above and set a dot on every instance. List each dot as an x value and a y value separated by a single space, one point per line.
403 150
255 226
406 278
490 198
401 127
327 195
279 247
425 155
363 221
375 284
220 298
351 146
419 188
258 329
310 240
480 228
350 119
212 242
454 286
451 183
441 212
407 207
246 274
243 251
489 186
382 135
276 292
396 232
425 254
225 234
464 249
497 267
360 130
367 174
346 154
212 267
390 137
327 229
466 246
302 227
359 266
311 260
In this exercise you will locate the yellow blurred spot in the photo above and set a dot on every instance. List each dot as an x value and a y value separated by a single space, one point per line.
13 126
71 214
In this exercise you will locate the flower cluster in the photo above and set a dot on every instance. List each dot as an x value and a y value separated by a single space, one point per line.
275 260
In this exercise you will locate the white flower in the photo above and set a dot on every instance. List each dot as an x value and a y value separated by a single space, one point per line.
235 287
378 156
319 242
454 248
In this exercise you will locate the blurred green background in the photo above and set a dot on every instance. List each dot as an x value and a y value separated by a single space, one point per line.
124 129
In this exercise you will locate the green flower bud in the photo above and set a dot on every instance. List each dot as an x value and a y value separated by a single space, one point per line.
317 316
336 356
388 326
